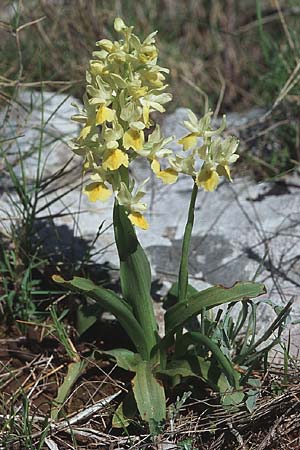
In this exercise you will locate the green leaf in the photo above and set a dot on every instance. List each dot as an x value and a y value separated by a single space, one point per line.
249 353
252 397
119 419
150 396
190 366
172 295
125 412
112 303
135 276
178 367
178 314
198 338
230 396
87 316
125 359
75 369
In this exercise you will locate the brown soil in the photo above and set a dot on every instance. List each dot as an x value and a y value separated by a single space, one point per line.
34 365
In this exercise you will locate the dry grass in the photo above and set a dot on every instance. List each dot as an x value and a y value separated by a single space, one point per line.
239 54
214 45
198 424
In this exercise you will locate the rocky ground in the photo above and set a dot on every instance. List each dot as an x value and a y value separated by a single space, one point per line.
243 230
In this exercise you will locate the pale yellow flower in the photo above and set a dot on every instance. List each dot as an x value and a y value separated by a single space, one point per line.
133 139
188 141
183 164
132 202
104 114
124 86
199 128
216 153
168 176
97 68
208 179
138 220
114 159
97 191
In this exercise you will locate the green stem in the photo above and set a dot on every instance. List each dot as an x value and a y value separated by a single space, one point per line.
183 271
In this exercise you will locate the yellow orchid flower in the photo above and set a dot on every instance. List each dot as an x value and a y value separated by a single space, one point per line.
115 158
106 44
119 25
168 176
97 191
85 132
155 166
96 68
148 53
124 86
188 141
104 114
207 178
183 164
153 77
138 220
133 139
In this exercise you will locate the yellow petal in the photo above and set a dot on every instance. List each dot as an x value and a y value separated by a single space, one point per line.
104 114
137 93
133 139
227 170
115 159
97 191
96 68
119 25
155 166
208 179
188 141
168 176
138 220
86 166
148 54
146 115
85 131
106 44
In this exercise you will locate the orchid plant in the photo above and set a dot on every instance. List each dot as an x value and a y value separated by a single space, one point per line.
124 86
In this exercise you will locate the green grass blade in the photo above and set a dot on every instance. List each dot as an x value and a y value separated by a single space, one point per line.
75 369
277 324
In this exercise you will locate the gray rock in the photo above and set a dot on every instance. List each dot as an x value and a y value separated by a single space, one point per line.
38 120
